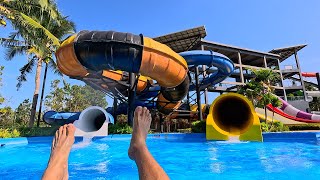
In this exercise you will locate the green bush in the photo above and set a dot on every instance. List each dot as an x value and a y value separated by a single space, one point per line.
38 131
198 127
304 127
275 127
119 128
8 133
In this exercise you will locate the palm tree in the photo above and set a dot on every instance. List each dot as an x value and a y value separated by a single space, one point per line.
275 102
259 89
41 26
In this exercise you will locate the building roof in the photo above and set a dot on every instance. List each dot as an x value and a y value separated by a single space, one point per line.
193 38
240 49
287 51
183 40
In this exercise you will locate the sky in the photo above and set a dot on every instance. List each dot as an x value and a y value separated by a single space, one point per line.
257 25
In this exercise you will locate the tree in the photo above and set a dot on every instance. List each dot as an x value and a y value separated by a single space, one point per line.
275 102
315 103
6 113
6 116
259 89
1 98
73 98
23 113
41 26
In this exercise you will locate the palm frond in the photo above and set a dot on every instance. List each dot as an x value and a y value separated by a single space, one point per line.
53 66
27 68
12 51
6 42
29 21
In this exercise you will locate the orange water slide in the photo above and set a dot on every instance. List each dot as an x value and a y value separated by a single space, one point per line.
109 54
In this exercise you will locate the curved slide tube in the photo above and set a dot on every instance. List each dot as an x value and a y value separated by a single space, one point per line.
90 52
209 58
308 74
290 112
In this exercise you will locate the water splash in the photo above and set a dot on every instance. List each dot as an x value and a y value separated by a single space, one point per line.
87 139
234 139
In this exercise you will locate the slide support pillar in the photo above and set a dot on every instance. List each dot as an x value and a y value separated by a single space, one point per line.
115 107
204 76
300 75
131 98
198 93
241 69
318 80
282 83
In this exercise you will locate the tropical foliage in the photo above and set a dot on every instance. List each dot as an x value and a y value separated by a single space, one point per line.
198 127
260 90
73 98
39 27
275 127
1 98
119 128
315 104
8 133
22 113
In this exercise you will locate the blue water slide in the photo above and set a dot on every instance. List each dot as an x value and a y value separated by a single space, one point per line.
61 118
209 58
123 107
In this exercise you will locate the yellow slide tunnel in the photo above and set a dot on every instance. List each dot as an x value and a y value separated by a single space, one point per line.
233 115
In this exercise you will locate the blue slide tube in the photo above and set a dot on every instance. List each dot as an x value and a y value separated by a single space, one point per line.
209 58
61 118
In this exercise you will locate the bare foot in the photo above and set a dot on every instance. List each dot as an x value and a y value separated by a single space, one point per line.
60 150
141 126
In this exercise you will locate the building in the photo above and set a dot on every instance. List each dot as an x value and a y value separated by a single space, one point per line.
244 60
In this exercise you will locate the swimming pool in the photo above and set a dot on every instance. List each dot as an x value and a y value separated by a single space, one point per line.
183 156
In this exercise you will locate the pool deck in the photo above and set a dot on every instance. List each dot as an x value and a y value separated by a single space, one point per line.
302 137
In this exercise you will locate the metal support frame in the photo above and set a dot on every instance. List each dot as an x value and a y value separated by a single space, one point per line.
204 76
265 62
241 70
131 98
115 107
282 84
318 80
300 75
198 94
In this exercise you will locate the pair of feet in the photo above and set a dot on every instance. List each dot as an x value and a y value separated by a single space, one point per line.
64 139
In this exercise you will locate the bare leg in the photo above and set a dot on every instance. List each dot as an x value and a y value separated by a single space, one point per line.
61 145
147 166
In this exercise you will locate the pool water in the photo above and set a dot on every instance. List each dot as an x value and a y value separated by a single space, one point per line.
182 159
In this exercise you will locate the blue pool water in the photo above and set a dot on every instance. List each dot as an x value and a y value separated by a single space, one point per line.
190 158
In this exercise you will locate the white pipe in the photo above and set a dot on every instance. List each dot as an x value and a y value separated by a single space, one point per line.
94 121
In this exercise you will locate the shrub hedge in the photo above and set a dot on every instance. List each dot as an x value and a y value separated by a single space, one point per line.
27 132
304 127
198 127
119 128
275 127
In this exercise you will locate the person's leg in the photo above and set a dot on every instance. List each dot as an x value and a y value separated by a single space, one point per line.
147 166
61 145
